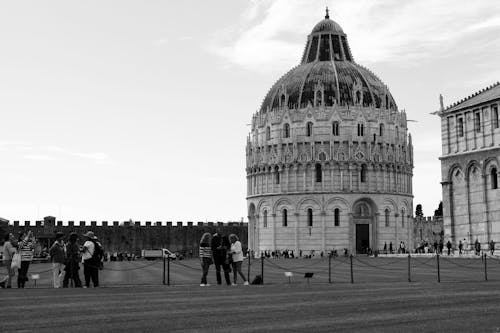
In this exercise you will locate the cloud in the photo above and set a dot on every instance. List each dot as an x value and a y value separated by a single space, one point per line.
271 35
51 153
160 42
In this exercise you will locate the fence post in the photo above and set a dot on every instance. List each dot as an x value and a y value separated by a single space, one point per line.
330 268
249 255
485 269
439 273
164 269
262 267
168 270
409 265
352 276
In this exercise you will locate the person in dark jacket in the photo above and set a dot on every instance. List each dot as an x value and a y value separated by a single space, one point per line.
448 246
219 253
72 262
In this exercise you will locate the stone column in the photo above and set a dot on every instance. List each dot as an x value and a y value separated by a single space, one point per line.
323 230
486 210
274 232
352 235
375 227
257 236
251 234
396 215
297 219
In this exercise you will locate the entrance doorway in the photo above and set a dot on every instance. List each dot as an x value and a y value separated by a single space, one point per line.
362 238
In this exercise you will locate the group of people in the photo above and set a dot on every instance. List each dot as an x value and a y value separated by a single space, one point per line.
65 257
226 253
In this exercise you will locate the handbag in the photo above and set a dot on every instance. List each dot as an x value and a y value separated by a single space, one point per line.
16 261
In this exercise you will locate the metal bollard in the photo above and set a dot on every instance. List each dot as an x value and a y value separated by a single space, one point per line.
439 272
409 265
164 259
262 267
330 268
485 269
249 263
168 271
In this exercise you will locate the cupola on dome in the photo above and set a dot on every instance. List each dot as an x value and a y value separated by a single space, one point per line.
328 65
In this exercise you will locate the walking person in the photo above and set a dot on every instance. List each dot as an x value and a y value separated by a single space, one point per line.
448 246
72 262
91 256
57 257
9 249
492 247
460 247
26 245
205 257
237 256
477 247
390 247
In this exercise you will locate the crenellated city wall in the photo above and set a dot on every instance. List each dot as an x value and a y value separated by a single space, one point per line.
129 236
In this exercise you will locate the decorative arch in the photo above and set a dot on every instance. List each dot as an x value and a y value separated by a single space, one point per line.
452 169
262 203
390 204
307 202
282 203
337 202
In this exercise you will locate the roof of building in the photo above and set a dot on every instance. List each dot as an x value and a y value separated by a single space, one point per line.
328 66
485 95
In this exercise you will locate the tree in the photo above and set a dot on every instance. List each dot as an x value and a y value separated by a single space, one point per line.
418 210
439 211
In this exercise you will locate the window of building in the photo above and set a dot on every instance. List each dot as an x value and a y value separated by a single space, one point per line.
284 218
309 217
494 116
336 217
362 176
477 122
386 101
319 175
319 98
361 129
381 130
387 212
283 100
309 129
403 218
460 127
335 128
494 178
397 133
265 219
277 174
268 133
286 130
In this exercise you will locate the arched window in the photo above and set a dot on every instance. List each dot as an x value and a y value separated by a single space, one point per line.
277 174
381 130
336 217
284 218
309 217
335 128
397 133
494 116
309 129
361 129
387 212
460 127
283 100
268 133
319 175
362 176
286 130
386 101
403 218
265 219
494 178
477 122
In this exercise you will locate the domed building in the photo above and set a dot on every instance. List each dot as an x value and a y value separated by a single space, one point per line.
329 161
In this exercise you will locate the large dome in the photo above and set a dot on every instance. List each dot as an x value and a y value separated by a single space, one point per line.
327 64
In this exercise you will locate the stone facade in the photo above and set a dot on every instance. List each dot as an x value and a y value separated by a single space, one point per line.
329 160
470 136
427 229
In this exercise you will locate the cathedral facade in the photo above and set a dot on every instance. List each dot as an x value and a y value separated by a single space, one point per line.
329 160
469 167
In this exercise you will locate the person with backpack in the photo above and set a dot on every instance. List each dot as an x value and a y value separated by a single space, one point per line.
57 256
72 263
92 254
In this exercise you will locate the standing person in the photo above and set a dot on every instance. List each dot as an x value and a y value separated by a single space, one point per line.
91 256
72 262
57 257
477 247
237 254
492 247
448 246
441 246
9 249
26 249
390 247
205 257
385 247
460 247
219 255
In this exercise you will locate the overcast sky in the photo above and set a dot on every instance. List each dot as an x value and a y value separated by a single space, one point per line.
111 110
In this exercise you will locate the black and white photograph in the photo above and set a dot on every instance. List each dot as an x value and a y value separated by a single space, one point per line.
250 166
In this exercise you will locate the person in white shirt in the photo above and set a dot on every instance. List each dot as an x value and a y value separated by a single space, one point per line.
237 254
90 265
